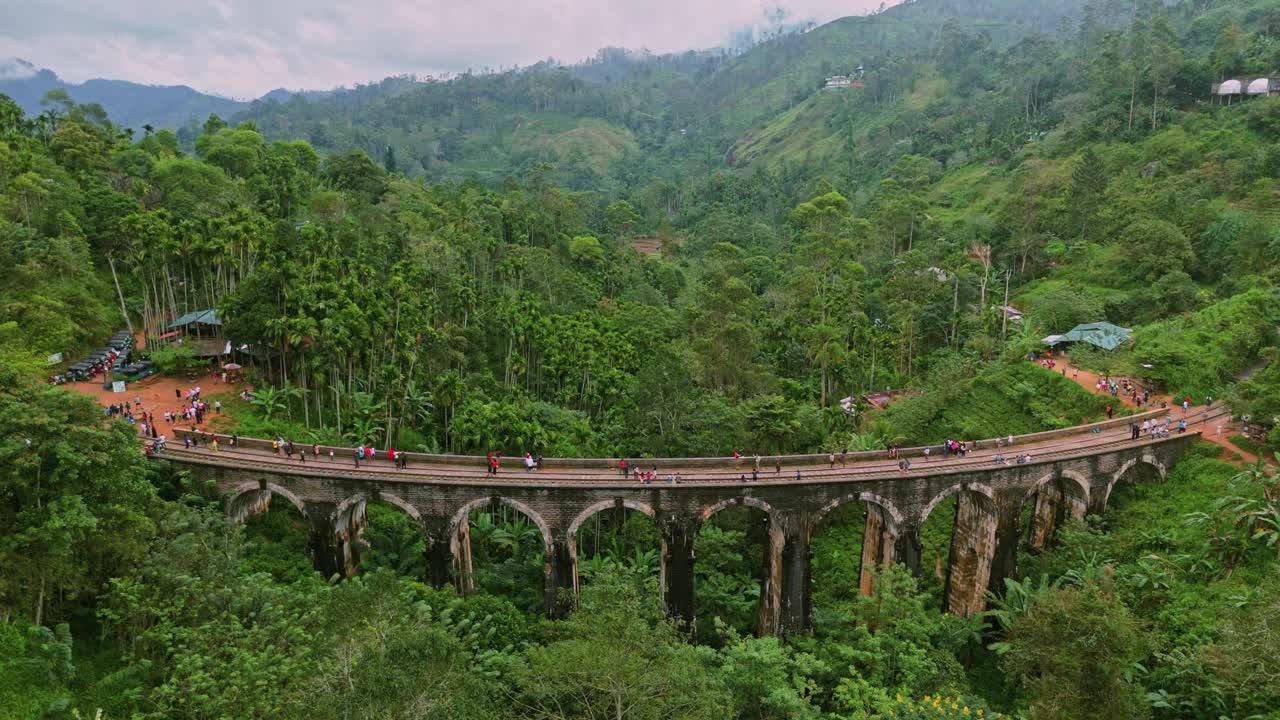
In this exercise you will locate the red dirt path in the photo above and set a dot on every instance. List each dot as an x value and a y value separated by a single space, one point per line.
1218 435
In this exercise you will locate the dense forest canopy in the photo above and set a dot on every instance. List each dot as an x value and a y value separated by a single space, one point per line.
453 267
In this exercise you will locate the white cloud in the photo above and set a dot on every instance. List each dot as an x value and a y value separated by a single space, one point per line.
244 48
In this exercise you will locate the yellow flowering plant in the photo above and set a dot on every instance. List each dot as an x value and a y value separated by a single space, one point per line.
942 707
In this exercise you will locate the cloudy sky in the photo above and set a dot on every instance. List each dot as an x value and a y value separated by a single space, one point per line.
243 48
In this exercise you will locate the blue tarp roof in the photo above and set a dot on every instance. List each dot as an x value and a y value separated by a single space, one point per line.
203 317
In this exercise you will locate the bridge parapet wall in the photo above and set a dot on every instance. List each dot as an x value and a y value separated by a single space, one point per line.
728 463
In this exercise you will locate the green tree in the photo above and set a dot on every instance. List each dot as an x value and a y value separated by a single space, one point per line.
1074 653
1154 248
78 500
617 658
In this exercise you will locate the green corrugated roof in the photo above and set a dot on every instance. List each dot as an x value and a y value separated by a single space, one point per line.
204 317
1102 334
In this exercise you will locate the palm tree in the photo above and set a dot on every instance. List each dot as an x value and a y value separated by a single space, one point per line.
269 400
364 430
289 391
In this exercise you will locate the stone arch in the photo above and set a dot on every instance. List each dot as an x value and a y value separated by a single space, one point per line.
896 517
237 503
463 512
1146 459
980 488
349 521
603 505
1066 477
389 498
1081 483
745 500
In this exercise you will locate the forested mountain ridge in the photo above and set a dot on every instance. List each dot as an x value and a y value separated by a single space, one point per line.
684 113
131 105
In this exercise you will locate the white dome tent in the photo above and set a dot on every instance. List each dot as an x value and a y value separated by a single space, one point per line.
1230 87
1261 86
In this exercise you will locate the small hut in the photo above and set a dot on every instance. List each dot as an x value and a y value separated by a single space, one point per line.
201 331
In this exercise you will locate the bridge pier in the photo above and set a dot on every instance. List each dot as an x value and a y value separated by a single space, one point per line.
879 544
1045 516
796 615
770 619
1008 535
326 547
676 570
906 548
460 549
561 578
438 558
973 542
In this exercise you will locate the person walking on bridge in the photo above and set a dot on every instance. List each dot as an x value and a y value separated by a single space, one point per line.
1133 431
622 468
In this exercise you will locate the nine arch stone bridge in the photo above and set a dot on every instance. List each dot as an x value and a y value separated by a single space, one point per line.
1071 472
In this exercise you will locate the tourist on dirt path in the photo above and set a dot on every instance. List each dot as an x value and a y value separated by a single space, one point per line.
177 393
1186 404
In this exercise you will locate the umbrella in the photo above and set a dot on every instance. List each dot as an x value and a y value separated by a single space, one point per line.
231 366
